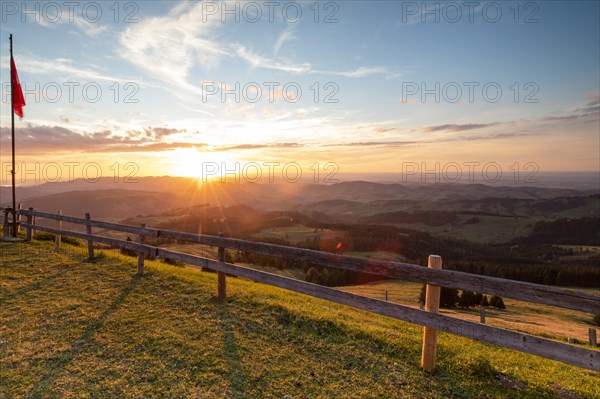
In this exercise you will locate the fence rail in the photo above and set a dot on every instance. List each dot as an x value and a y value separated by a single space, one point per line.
570 299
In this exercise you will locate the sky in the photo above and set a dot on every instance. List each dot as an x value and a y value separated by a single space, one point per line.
207 88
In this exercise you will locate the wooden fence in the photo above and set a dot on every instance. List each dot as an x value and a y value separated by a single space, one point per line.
432 275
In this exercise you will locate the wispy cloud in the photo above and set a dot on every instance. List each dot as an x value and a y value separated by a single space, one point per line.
589 112
258 146
496 136
162 132
594 100
167 47
258 61
384 129
398 143
362 72
54 17
458 128
589 109
34 139
286 36
90 28
561 118
67 69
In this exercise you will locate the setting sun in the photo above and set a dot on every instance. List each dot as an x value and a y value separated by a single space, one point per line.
190 162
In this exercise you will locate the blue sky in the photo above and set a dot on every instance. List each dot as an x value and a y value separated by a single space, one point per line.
169 53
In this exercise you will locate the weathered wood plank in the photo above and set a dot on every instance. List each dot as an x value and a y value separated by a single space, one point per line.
5 227
18 216
569 299
134 246
554 350
96 223
28 233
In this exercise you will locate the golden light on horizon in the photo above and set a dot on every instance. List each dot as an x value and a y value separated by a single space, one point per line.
190 162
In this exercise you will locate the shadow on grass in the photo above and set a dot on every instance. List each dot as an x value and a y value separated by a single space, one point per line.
67 356
34 286
230 348
329 329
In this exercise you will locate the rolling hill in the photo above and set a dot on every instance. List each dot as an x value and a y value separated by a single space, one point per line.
472 212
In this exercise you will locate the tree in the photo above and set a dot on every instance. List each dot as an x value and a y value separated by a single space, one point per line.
325 278
466 299
448 297
484 302
493 301
312 276
500 304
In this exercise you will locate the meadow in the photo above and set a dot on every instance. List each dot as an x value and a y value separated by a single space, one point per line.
72 329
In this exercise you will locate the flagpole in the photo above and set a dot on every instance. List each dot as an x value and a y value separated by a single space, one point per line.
12 111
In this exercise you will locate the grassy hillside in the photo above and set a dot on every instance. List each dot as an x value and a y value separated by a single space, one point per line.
73 329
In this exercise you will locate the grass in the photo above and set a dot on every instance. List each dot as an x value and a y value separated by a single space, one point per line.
75 329
297 233
489 229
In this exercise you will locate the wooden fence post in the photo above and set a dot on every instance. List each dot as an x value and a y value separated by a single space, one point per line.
18 216
5 226
432 304
141 256
29 221
221 276
88 230
13 224
592 332
482 315
33 230
57 237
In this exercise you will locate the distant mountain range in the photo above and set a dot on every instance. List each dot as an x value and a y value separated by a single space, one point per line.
340 201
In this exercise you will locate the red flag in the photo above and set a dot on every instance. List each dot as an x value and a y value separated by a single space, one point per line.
17 93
